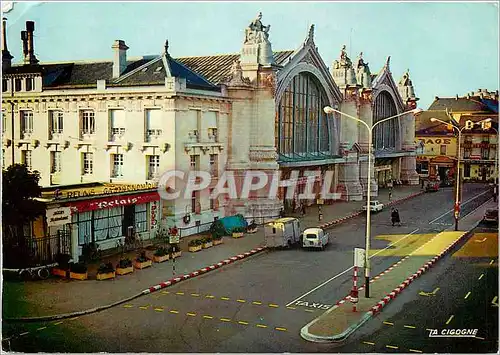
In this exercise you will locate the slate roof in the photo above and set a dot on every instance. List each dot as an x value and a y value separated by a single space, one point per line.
217 67
462 104
203 72
423 121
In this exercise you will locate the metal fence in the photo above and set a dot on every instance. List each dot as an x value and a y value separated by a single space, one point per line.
36 251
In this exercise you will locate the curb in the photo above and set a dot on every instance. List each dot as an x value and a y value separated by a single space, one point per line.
142 293
355 214
383 302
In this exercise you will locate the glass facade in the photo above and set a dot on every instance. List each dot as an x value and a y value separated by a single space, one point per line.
301 126
385 134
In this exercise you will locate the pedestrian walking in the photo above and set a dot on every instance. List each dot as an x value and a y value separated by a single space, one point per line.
303 209
422 184
390 194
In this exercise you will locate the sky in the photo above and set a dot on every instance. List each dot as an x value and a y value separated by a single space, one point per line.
450 48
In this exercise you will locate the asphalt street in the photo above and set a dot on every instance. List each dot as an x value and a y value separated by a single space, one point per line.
256 305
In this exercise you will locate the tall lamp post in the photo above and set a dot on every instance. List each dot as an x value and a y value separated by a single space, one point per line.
469 125
330 110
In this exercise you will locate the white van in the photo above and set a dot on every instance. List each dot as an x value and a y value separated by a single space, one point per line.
283 232
315 238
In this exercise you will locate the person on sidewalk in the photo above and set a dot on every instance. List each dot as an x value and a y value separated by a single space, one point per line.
390 193
395 217
303 209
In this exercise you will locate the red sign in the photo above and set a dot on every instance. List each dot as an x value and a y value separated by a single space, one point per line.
110 202
153 214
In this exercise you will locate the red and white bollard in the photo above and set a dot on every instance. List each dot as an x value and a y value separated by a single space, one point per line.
354 291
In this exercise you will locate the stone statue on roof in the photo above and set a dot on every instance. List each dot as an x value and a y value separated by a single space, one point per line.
256 32
363 74
344 61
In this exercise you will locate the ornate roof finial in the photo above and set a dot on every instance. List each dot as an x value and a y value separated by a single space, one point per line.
311 32
166 47
388 62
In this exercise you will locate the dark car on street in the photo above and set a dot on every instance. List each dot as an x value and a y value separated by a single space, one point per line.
491 216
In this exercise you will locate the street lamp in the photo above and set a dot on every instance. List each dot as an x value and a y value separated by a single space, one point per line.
330 110
459 130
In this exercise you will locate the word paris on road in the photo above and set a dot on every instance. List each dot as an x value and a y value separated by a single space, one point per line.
172 183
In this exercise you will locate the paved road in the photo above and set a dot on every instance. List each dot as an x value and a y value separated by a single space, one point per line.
460 292
243 308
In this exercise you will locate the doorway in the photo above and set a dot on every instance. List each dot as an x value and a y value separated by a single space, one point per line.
128 219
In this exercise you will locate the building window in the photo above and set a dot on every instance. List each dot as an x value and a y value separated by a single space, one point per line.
117 123
212 134
26 158
26 124
467 170
195 202
4 85
87 124
55 162
153 124
107 224
153 167
214 165
56 122
467 153
141 218
443 150
485 153
385 134
117 160
214 205
194 162
18 85
423 167
29 84
3 158
87 163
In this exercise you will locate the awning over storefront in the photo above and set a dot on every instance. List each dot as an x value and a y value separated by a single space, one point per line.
113 201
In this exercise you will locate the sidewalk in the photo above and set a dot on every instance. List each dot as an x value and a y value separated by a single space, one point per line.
54 296
336 324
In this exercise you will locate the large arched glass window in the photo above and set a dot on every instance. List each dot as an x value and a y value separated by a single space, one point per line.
385 134
301 124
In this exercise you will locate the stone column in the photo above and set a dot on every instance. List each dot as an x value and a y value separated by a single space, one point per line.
408 163
365 113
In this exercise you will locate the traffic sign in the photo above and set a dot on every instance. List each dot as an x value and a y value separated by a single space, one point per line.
359 257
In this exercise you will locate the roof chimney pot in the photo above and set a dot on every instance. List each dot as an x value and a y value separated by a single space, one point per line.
30 58
6 56
120 58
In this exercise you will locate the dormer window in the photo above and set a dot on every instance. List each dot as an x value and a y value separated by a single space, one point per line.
30 84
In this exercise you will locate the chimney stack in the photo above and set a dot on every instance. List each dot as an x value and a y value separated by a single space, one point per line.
28 46
6 56
120 58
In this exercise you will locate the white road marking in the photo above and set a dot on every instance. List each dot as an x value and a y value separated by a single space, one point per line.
444 214
347 270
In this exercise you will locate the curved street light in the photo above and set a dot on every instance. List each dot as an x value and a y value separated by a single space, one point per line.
459 130
330 110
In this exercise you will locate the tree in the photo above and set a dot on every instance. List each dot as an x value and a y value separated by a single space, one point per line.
20 187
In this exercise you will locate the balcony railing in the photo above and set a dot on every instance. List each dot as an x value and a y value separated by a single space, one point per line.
153 134
117 134
116 173
26 134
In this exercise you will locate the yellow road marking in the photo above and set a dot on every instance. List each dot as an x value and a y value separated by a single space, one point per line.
291 307
225 298
391 347
241 301
492 261
208 317
281 329
449 320
409 326
415 351
225 319
273 305
179 293
242 322
388 323
309 310
165 292
58 323
209 296
261 326
195 294
480 277
191 314
174 311
256 302
467 295
42 328
159 309
368 342
128 306
144 307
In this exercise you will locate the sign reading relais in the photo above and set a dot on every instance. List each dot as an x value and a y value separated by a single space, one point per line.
58 216
115 201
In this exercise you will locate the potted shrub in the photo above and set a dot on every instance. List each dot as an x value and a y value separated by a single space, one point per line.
194 245
63 268
124 267
238 232
174 250
78 271
160 255
106 271
206 242
216 239
142 261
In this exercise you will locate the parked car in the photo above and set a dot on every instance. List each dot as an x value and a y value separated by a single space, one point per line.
491 216
283 232
375 206
315 238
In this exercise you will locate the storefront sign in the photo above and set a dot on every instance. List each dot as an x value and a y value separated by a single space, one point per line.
116 201
109 189
58 216
383 167
174 239
154 208
435 140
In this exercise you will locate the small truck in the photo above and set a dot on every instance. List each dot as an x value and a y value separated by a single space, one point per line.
375 206
283 232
